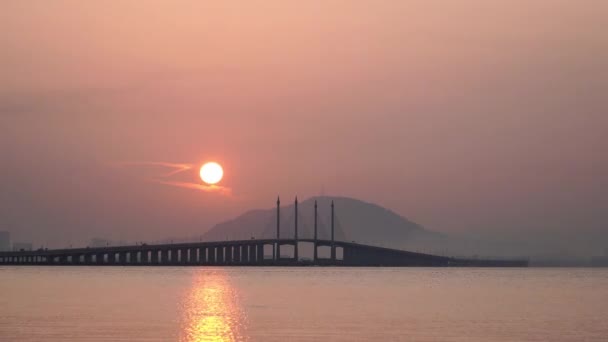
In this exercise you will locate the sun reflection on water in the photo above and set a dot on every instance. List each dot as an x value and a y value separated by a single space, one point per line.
211 310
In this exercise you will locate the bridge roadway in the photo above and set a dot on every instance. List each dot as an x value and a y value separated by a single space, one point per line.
238 253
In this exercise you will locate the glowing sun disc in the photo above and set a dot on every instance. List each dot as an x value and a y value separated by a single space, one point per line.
211 173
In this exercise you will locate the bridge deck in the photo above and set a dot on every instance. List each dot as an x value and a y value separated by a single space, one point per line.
240 252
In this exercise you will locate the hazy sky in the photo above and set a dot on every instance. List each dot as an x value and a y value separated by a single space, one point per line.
480 116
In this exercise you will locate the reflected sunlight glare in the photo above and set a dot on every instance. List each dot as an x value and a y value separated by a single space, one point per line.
211 310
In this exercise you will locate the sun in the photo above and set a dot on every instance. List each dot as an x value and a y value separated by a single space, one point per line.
211 173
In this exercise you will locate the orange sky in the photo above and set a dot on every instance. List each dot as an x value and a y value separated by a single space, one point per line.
468 115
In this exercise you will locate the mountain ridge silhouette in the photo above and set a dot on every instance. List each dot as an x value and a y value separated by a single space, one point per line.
355 220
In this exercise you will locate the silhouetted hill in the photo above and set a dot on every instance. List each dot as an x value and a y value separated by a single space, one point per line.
369 223
355 220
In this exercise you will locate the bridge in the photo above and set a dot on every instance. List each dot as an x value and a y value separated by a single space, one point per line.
252 252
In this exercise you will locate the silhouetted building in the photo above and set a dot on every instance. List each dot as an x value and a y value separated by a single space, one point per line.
22 246
5 241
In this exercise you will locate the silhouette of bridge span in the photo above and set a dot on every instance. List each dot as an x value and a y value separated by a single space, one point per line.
244 253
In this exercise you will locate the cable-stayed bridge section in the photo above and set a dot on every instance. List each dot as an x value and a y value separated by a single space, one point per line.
252 252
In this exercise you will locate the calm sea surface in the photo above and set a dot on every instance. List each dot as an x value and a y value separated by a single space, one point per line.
302 304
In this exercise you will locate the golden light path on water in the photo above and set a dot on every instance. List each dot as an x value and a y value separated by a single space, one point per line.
211 310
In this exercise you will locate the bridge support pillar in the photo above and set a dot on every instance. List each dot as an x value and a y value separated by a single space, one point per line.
144 257
174 256
183 256
189 256
133 257
229 255
122 258
202 255
211 255
260 256
237 254
220 254
251 254
164 257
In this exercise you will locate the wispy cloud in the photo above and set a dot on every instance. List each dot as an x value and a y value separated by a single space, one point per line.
176 168
196 186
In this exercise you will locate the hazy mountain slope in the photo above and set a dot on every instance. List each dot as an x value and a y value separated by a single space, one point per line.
372 224
355 220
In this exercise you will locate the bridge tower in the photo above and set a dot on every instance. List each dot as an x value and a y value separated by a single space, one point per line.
295 247
315 237
333 246
278 229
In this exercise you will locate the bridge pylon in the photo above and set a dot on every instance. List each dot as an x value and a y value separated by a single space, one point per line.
278 248
315 236
333 245
295 249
